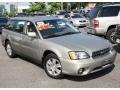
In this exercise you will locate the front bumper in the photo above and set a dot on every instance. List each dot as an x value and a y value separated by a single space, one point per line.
87 66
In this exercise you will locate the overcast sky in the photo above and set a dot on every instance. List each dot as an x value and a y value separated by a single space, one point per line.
16 3
19 4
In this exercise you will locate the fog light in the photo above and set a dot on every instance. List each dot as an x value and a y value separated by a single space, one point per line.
81 70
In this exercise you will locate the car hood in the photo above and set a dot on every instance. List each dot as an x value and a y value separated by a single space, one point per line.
79 42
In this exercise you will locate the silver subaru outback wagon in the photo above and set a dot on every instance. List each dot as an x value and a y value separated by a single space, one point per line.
57 45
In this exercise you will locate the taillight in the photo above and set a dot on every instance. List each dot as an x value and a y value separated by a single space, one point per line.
96 23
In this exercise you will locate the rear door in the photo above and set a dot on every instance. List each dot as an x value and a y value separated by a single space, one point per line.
15 29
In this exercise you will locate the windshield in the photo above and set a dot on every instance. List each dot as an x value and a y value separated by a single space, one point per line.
76 16
55 28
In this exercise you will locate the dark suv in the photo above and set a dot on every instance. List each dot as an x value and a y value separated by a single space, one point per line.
3 21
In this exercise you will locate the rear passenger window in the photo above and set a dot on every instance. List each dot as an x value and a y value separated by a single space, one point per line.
15 25
109 11
10 25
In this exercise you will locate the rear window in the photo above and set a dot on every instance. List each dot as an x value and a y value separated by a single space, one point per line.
93 13
15 25
109 11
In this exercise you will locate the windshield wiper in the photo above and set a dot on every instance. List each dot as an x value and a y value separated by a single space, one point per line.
69 33
51 36
57 35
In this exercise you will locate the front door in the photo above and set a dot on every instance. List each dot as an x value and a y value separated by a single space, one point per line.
30 41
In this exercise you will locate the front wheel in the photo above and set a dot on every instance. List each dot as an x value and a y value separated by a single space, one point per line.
53 66
9 50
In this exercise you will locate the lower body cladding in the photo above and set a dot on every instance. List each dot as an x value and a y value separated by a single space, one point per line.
87 66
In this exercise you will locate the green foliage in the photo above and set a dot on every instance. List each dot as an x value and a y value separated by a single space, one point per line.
54 6
78 5
41 7
36 7
7 14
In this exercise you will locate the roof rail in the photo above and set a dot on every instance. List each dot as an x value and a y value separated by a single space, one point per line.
108 3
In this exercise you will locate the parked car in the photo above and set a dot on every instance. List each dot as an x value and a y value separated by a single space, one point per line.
3 21
77 20
60 14
39 14
57 45
103 20
76 11
21 15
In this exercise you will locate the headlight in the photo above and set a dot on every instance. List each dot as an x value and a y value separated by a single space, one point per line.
78 55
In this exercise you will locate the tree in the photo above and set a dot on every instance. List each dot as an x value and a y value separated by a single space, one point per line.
54 6
6 12
37 7
74 5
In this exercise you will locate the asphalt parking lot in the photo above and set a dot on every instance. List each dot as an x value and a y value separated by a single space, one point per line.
20 72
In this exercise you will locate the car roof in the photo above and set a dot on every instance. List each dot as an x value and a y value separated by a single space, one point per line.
109 4
35 18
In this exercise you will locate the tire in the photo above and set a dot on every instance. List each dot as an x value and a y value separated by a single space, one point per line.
110 35
52 66
9 50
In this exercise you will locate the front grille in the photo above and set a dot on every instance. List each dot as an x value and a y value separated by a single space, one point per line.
83 21
100 53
